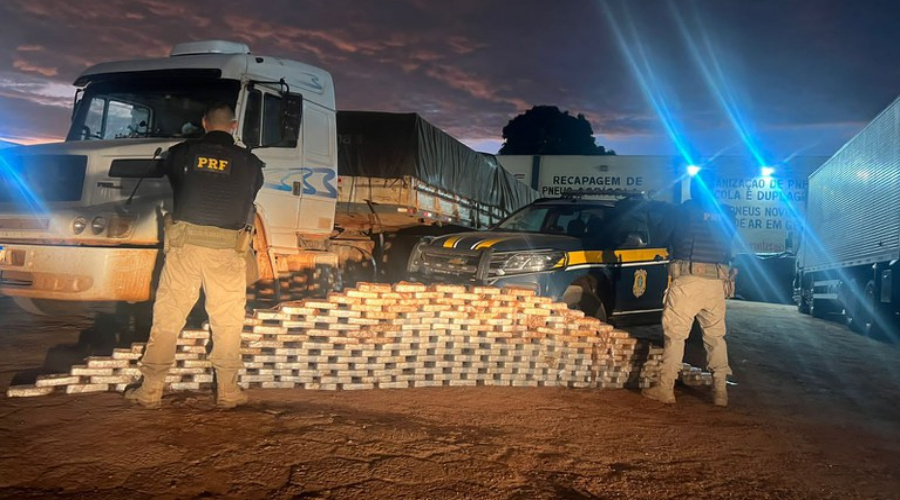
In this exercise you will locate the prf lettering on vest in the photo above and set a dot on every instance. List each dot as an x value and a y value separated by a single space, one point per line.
205 163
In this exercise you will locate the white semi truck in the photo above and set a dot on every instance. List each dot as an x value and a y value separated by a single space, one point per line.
851 247
80 220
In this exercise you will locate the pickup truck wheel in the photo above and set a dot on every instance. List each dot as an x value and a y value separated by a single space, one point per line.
601 313
43 307
580 295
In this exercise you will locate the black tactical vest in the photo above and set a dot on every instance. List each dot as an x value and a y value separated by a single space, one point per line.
214 181
703 234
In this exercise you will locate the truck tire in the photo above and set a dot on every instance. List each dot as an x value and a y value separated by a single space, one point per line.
853 310
868 322
803 304
804 296
820 308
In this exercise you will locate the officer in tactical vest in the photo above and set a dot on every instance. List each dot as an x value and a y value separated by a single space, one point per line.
215 183
701 280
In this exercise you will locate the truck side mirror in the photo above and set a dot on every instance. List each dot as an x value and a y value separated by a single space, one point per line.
136 168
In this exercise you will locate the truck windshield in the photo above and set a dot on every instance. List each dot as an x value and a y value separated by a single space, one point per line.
132 107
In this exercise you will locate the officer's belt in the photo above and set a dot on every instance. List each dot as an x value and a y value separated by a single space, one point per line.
703 269
201 236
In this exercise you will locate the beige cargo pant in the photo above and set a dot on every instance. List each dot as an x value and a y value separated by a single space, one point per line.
222 275
690 297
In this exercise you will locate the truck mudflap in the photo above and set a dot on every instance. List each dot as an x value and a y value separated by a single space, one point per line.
77 273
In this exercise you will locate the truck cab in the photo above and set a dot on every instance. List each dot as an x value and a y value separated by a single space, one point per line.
80 220
607 258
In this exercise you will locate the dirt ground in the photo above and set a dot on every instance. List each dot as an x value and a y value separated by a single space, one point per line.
814 415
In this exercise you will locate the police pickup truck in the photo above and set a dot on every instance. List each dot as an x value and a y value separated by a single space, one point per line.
606 258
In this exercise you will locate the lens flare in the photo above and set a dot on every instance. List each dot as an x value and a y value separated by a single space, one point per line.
12 181
639 61
706 58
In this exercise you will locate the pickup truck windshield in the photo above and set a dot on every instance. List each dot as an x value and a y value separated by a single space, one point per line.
621 226
559 219
133 107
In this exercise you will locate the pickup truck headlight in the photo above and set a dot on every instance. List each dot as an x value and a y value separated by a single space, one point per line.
532 262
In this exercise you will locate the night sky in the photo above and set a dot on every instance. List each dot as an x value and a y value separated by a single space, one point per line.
775 77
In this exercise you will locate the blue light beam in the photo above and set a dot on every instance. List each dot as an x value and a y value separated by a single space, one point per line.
13 179
638 60
714 76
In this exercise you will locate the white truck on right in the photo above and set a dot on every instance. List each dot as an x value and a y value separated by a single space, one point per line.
851 246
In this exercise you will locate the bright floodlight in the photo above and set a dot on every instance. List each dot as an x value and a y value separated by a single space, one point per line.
767 171
693 170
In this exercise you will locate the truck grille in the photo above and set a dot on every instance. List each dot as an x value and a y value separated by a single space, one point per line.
25 224
34 179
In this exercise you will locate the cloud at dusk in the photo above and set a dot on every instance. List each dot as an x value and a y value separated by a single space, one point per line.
804 75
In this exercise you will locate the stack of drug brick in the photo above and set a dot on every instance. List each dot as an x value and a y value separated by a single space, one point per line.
694 376
400 336
650 369
416 336
629 362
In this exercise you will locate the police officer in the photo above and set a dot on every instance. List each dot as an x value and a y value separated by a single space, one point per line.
215 183
700 280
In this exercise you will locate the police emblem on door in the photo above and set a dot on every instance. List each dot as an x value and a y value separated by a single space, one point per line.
640 282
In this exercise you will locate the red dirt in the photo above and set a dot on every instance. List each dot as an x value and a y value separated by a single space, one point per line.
814 416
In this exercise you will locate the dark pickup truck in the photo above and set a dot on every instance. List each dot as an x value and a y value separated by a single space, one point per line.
606 258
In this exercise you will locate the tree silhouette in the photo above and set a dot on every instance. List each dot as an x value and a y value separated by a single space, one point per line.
545 130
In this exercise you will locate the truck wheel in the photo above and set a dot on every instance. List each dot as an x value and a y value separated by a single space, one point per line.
867 312
820 309
43 307
853 310
804 294
803 304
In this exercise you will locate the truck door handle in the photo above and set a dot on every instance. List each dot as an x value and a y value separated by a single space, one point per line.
297 188
110 185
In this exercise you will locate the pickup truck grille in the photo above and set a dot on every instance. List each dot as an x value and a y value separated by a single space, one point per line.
454 264
466 265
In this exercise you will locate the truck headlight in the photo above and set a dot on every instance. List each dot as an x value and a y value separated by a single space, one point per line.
98 225
78 225
532 262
